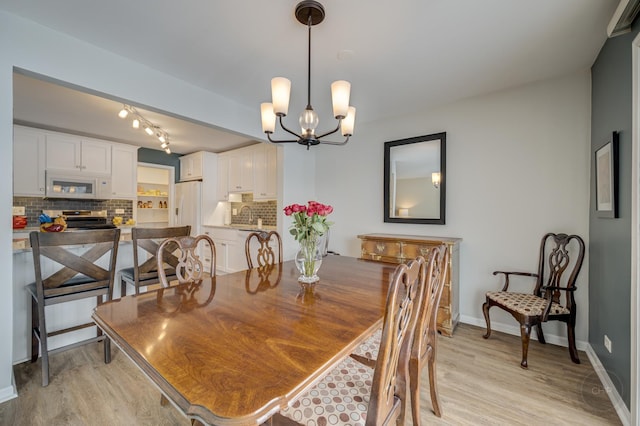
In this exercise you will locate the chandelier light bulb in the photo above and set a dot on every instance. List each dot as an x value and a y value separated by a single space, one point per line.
308 121
161 138
167 150
135 123
164 145
123 113
148 129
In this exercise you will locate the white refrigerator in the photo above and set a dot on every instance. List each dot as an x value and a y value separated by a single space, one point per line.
188 205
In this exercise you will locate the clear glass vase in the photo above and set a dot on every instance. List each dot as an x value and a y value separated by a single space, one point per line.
308 260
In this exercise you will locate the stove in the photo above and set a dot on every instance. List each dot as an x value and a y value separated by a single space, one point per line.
82 219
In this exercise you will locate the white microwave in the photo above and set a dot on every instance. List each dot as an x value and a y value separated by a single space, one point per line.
78 186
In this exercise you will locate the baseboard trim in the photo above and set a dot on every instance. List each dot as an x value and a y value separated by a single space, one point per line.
618 403
9 392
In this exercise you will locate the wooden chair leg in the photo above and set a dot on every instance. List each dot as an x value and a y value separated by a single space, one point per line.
540 333
35 342
571 335
485 310
433 381
414 385
44 348
525 332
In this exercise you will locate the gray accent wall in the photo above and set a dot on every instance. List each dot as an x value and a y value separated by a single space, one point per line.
154 156
610 239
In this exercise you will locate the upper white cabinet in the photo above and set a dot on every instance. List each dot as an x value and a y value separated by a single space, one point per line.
241 170
265 172
191 166
223 177
73 153
124 162
28 162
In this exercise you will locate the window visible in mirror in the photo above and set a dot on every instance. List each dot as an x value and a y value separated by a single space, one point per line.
415 179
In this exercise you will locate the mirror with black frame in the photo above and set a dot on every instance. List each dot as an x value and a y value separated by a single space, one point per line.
415 179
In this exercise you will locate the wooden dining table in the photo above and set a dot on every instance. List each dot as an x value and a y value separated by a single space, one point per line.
235 349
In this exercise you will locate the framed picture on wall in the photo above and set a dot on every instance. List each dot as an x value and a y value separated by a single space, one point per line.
607 178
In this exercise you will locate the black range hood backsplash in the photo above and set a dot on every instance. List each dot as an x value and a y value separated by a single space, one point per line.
34 206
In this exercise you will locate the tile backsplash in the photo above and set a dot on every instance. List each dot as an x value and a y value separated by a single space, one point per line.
265 210
35 205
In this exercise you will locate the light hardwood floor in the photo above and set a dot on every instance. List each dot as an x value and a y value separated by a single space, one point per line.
480 383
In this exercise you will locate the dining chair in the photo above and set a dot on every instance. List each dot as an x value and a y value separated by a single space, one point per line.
375 396
144 271
424 347
78 274
188 252
559 262
189 271
266 250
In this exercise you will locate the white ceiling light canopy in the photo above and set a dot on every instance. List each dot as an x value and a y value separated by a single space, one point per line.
309 13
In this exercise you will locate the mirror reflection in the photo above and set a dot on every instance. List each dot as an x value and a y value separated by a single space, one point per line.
414 175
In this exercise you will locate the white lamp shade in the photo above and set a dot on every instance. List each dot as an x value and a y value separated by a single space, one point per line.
135 123
123 113
340 91
268 117
280 91
348 123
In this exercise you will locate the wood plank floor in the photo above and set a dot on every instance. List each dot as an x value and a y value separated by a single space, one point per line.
480 383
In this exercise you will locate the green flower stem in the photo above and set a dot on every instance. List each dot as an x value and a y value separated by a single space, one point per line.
308 247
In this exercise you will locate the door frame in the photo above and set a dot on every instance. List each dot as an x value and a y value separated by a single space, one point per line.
635 231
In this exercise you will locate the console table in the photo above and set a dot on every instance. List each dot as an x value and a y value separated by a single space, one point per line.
394 248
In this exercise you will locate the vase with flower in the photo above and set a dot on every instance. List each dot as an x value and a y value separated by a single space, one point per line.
309 225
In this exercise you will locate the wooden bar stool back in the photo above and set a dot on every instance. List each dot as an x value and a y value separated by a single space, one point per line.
79 276
145 267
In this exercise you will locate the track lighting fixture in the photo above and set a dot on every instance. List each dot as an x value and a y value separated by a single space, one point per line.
149 128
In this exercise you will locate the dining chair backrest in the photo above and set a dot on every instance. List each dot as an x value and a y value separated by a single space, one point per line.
145 266
265 247
390 380
424 348
69 266
187 251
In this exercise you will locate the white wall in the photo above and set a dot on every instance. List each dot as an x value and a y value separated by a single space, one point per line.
29 46
517 167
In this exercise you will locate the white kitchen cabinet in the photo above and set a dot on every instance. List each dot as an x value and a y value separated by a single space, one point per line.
191 166
76 154
28 162
241 170
124 171
223 177
230 255
265 172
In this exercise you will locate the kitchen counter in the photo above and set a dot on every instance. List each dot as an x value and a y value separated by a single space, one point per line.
244 227
21 237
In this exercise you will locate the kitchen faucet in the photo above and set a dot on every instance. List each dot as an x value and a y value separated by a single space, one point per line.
250 213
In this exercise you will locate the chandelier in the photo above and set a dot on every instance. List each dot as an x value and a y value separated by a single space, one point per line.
309 13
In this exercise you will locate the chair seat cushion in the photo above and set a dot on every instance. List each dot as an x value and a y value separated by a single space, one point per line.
369 349
525 304
342 397
127 275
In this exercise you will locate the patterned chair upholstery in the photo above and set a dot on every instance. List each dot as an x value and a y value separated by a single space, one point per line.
355 394
559 263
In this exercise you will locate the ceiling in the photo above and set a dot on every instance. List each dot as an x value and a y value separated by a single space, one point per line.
400 57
